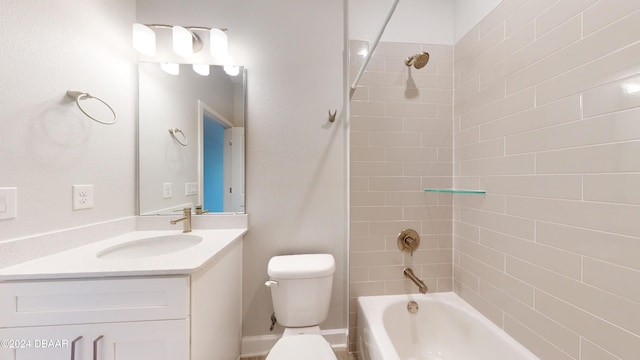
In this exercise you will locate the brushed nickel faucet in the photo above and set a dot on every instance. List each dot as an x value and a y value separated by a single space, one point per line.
408 273
186 220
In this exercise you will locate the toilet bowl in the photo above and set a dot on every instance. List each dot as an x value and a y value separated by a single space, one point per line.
301 293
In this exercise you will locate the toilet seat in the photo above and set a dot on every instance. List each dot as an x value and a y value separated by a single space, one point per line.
308 347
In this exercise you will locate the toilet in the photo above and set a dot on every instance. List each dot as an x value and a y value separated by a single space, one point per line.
301 293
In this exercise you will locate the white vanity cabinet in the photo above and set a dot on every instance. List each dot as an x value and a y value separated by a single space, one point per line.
122 318
191 316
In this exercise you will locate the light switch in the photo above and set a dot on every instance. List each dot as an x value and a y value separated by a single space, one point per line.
8 203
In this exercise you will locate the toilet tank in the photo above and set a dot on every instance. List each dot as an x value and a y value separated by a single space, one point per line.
302 292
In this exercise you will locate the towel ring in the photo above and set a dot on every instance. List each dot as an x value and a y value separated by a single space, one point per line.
78 95
175 131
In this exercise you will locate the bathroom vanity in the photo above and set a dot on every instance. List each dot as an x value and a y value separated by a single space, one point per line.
143 295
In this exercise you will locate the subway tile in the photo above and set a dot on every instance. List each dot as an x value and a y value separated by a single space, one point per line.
392 94
559 13
558 112
368 288
376 123
537 344
411 154
376 213
484 96
395 183
479 150
488 202
615 309
371 78
359 228
568 33
618 249
498 14
445 111
366 198
612 67
510 285
578 213
402 139
504 165
548 186
409 198
527 12
392 228
517 226
619 95
607 158
603 129
439 227
552 332
436 96
467 231
426 168
359 138
445 67
615 279
367 243
466 278
375 258
430 81
358 274
479 47
605 12
367 154
471 296
426 125
430 256
417 110
506 48
392 48
384 273
467 136
395 64
359 183
436 182
473 252
617 36
591 327
465 89
614 188
509 105
427 212
445 154
560 261
439 140
436 270
590 351
375 168
367 108
445 284
439 52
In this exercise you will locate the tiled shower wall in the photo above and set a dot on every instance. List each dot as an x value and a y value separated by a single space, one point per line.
401 142
547 121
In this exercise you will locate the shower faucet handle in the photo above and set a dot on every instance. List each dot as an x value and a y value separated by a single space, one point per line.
408 240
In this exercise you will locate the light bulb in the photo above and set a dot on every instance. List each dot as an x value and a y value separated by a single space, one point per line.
144 39
201 69
219 43
232 70
182 41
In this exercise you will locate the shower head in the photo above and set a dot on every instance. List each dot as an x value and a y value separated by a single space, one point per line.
418 61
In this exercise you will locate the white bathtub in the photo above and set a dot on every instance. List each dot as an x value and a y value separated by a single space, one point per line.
444 328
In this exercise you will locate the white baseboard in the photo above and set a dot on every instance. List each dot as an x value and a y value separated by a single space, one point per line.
260 345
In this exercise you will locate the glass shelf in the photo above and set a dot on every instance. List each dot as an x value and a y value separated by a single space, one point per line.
455 191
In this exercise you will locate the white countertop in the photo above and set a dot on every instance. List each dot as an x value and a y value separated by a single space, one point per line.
82 262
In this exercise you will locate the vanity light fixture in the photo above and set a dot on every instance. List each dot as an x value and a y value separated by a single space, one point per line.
185 40
144 39
232 70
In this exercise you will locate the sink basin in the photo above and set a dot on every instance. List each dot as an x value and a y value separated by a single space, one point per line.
148 247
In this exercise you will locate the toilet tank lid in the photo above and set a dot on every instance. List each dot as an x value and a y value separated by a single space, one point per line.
303 266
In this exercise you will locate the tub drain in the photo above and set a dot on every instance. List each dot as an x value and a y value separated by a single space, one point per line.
412 307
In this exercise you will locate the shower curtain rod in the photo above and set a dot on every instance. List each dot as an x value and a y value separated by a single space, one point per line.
374 44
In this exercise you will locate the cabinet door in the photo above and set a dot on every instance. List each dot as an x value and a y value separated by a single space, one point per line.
157 340
145 340
45 342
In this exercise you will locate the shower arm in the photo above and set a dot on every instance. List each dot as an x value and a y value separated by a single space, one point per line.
374 44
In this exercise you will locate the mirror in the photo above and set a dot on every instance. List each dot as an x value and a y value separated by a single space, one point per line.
190 139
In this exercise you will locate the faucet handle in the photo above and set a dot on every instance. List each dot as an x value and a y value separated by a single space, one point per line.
408 240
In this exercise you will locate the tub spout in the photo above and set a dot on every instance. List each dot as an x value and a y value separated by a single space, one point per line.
408 273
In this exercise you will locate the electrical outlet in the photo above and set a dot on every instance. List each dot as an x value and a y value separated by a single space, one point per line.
167 190
191 188
82 197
